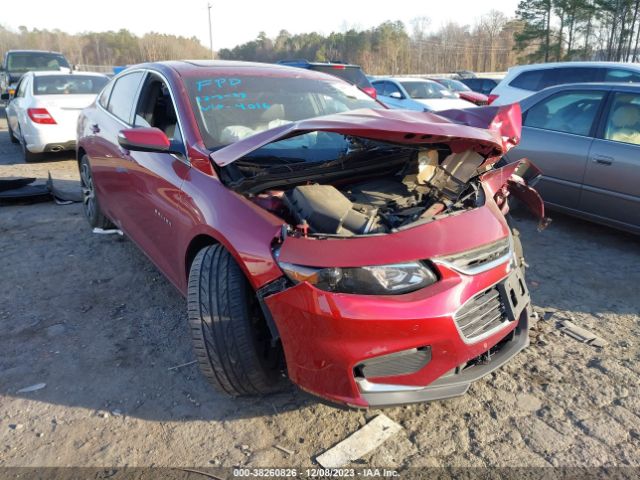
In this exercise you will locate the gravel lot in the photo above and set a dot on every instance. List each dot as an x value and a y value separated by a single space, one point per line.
92 318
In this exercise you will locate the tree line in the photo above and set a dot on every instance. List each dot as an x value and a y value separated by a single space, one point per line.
541 31
104 48
394 48
555 30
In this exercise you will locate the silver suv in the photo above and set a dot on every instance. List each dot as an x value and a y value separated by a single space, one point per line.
525 80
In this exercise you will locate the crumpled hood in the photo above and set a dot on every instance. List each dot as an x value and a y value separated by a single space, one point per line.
490 131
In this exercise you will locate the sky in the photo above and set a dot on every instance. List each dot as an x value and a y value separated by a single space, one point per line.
239 21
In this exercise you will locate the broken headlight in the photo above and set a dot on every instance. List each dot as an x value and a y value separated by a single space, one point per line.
391 279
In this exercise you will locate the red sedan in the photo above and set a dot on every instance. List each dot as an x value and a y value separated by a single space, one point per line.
463 91
362 252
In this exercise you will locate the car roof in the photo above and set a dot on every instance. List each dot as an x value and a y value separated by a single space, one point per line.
404 79
594 86
531 100
33 51
191 67
303 63
42 73
537 66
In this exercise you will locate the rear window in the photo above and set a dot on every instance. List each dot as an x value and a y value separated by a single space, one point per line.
68 85
528 80
425 90
454 85
351 74
32 61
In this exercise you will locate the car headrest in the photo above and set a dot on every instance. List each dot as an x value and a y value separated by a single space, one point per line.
625 116
274 112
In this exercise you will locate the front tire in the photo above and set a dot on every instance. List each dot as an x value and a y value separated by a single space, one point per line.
90 204
230 337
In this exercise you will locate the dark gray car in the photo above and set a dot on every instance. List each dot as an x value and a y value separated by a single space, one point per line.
586 140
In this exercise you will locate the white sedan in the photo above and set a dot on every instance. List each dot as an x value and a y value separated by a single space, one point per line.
43 114
417 94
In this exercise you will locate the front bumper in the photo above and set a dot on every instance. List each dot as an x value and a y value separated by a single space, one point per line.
457 381
327 336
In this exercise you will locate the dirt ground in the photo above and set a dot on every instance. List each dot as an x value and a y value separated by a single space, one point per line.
92 318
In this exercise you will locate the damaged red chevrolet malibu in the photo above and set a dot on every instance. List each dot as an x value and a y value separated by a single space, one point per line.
361 252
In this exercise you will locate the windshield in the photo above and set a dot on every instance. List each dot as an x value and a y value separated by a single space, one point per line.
426 90
454 85
22 62
68 84
228 109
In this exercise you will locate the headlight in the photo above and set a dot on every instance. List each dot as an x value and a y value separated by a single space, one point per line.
377 280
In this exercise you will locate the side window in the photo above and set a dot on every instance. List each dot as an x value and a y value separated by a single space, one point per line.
379 86
528 80
392 88
123 95
621 75
22 87
104 96
623 119
156 109
560 76
568 112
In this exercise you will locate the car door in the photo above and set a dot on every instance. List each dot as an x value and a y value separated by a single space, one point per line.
109 162
155 207
612 179
556 136
390 88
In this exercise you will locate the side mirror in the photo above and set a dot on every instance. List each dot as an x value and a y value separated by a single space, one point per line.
396 95
145 139
5 96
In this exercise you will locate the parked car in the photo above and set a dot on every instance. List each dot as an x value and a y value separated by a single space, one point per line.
464 92
315 233
347 72
586 140
522 81
465 74
43 114
18 62
480 85
417 94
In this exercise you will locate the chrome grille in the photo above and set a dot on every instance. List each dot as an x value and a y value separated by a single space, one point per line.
482 314
479 259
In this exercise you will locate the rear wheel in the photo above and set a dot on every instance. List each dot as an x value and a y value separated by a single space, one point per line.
12 135
28 155
231 339
90 203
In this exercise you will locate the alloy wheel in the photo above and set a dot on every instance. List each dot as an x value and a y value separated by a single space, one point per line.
88 192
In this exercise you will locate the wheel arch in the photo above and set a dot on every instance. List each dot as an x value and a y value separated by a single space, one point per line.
80 152
197 243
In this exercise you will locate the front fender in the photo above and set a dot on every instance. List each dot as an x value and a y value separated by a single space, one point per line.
516 179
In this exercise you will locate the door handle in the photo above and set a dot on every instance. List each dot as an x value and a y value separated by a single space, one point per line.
603 159
95 128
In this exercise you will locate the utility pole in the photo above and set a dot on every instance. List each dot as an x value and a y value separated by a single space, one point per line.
210 34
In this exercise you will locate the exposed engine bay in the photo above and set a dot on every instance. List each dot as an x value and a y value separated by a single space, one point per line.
429 184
